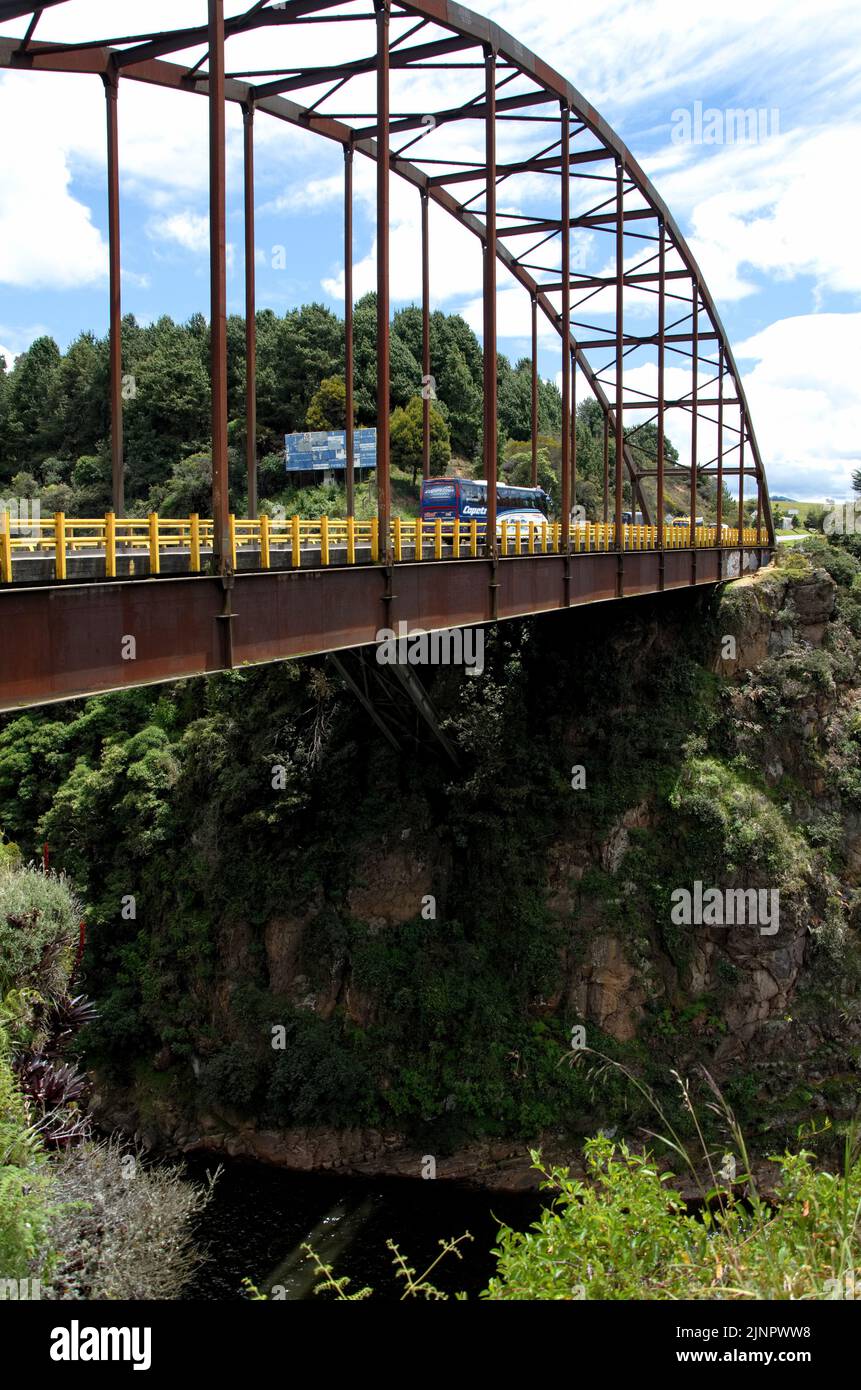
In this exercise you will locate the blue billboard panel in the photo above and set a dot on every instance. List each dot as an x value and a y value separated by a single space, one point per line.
327 449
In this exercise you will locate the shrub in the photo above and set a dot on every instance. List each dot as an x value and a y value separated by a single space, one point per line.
124 1229
25 1209
39 917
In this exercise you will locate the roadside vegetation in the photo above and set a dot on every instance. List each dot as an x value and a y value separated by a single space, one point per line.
80 1217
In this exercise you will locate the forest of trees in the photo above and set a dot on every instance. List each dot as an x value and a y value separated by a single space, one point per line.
55 414
55 420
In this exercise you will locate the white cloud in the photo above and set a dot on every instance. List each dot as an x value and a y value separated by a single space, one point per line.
7 354
455 253
782 208
805 403
187 229
47 236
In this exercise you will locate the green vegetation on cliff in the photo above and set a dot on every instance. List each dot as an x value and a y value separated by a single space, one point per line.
222 906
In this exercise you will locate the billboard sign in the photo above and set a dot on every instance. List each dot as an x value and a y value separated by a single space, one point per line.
325 450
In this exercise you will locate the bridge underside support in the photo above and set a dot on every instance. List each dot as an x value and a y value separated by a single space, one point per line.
69 640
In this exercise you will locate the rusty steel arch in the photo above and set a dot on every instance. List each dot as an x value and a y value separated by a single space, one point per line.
519 89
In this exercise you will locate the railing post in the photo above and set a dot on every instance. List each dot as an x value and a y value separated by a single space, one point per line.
60 545
110 546
418 548
154 558
324 540
194 543
351 540
231 532
398 529
264 542
296 543
6 548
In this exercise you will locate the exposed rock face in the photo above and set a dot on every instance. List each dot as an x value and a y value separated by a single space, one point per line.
607 991
397 878
618 964
769 611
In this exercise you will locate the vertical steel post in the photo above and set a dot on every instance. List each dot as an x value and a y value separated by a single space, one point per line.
218 286
565 461
720 447
111 81
574 428
349 362
490 391
250 317
695 346
741 491
662 329
606 470
384 496
534 390
620 311
426 371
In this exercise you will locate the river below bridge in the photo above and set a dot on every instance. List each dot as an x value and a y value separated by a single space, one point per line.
259 1217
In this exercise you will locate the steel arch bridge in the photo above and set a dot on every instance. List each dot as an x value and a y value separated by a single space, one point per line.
563 213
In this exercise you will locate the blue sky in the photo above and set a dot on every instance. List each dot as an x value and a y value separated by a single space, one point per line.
773 222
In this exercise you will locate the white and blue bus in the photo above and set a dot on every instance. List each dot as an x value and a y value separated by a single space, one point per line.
465 499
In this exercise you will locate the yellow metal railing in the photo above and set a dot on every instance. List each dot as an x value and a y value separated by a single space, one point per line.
272 543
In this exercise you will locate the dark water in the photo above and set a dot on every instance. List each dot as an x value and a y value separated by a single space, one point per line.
259 1216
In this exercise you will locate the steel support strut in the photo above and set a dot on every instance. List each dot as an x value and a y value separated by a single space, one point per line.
384 496
349 363
565 460
695 304
662 334
490 403
534 391
426 371
111 81
620 330
720 449
218 286
250 316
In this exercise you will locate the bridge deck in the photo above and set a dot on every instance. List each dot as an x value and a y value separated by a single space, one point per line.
68 639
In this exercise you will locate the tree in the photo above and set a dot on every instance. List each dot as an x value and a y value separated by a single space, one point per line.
407 438
31 421
328 408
